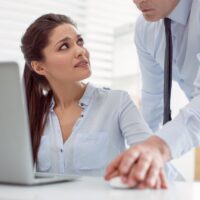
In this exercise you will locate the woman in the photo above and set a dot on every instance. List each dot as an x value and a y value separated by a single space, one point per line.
75 127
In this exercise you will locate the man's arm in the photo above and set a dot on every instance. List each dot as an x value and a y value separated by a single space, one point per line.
183 133
152 75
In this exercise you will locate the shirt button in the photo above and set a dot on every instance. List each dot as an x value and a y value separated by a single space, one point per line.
82 104
61 150
182 80
82 115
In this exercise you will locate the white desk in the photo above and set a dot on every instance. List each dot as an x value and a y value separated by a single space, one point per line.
97 189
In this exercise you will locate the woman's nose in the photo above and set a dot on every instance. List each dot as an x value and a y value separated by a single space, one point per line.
80 51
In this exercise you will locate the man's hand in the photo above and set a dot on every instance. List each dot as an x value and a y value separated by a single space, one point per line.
142 165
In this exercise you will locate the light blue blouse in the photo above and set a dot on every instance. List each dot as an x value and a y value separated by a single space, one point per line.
109 120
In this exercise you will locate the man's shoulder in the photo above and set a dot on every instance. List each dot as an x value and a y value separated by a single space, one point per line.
195 10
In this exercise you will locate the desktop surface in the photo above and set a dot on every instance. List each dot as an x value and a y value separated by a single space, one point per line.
87 188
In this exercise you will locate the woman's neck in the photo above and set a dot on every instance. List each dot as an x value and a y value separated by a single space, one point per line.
67 94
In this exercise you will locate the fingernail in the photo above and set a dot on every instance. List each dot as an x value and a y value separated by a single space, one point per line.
141 175
152 182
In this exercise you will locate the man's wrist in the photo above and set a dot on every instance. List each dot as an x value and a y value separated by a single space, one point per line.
162 147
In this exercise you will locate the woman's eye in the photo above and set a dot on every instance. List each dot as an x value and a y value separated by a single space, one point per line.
80 42
64 46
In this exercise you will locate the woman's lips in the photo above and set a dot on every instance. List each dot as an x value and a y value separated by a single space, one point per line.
83 63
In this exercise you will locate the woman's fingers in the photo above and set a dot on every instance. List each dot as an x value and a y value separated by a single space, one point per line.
113 174
112 169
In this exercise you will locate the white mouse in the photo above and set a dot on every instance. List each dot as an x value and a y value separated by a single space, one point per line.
116 182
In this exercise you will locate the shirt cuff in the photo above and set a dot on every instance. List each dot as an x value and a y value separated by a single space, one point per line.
176 136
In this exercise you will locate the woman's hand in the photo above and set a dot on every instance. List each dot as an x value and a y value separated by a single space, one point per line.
142 165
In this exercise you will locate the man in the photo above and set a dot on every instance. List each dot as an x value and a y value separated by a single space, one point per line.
142 165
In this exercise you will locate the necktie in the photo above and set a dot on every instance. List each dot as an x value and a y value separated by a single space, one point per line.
167 71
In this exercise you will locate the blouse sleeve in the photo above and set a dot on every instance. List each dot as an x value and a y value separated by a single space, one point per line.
132 125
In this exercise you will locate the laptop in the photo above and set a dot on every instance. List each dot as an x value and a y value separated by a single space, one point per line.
16 161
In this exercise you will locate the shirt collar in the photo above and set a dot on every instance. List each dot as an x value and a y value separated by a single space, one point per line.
89 91
182 11
85 99
52 104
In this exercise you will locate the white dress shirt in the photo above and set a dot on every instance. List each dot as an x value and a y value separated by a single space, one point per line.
183 132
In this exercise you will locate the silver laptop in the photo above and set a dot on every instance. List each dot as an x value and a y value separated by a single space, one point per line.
16 163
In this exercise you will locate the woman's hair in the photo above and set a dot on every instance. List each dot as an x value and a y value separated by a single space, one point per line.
33 42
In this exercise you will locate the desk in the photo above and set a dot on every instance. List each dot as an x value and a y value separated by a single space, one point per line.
97 189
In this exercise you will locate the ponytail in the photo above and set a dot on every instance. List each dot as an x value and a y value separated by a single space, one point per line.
38 106
33 42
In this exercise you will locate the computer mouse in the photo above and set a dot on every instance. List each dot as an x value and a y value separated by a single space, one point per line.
117 183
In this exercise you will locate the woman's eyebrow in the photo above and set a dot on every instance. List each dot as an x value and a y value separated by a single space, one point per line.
67 38
64 39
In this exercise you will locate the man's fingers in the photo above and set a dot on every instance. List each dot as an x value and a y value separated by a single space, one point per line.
158 183
131 179
163 180
153 175
129 158
139 170
142 167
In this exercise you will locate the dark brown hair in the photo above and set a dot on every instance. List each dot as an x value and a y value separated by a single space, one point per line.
35 39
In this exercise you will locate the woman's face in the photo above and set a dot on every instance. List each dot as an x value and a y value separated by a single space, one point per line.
66 58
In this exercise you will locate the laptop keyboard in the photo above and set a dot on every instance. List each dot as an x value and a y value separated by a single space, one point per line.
43 175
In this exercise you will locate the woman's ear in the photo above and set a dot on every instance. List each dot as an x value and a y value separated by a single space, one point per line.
38 67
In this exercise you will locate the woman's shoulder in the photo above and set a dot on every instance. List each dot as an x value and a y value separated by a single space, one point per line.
108 94
107 91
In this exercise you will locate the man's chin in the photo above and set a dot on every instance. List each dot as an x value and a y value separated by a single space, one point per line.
151 18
